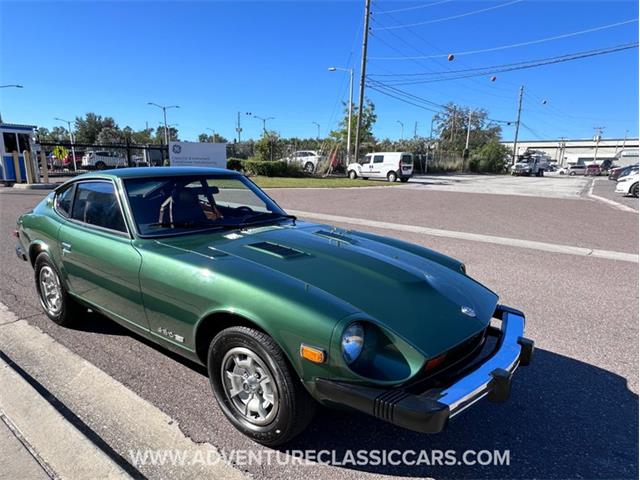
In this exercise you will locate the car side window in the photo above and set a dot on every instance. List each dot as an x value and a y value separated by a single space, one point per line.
378 158
96 204
64 200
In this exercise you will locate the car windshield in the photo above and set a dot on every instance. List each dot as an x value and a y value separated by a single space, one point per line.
186 204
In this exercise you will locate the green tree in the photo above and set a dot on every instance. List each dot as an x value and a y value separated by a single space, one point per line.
215 138
109 136
159 136
369 118
492 157
451 125
88 128
56 134
269 147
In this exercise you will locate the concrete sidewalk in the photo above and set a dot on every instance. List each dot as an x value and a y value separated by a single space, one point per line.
18 459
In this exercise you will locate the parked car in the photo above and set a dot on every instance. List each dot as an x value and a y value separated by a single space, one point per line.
628 185
576 170
103 159
593 169
307 159
619 172
389 165
67 162
282 313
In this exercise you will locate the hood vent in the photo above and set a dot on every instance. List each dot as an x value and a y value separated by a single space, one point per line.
276 250
336 236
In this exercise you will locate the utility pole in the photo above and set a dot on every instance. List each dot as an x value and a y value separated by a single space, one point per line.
415 130
562 146
466 145
318 126
596 138
363 72
515 138
624 142
71 139
401 129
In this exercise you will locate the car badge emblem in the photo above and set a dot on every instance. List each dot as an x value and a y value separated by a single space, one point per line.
468 311
176 148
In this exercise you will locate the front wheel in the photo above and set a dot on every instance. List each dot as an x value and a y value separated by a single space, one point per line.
404 179
392 176
634 190
571 174
309 168
352 174
101 166
256 389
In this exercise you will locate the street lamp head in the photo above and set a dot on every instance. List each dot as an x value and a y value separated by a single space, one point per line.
332 69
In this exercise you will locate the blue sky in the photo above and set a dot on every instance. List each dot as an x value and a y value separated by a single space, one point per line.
216 58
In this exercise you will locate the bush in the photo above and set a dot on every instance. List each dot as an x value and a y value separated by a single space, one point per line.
490 158
235 164
271 169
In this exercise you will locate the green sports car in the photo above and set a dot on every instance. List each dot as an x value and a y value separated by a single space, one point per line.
283 313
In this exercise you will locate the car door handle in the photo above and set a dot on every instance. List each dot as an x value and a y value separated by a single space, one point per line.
66 247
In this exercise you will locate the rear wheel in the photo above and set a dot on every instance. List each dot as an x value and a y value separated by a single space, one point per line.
404 179
352 174
256 389
101 165
54 299
634 190
309 167
572 173
392 176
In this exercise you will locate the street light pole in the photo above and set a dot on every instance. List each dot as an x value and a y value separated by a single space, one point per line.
350 115
71 139
164 109
317 125
401 129
264 122
596 138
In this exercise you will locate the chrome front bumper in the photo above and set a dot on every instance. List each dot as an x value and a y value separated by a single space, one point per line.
429 411
494 376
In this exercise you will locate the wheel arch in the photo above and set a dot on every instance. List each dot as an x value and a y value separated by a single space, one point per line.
36 248
213 323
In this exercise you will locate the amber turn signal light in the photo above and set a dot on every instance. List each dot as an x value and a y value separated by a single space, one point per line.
315 355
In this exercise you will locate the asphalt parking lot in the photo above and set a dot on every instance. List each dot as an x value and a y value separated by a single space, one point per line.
573 413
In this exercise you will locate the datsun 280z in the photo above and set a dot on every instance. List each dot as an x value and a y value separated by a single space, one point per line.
283 313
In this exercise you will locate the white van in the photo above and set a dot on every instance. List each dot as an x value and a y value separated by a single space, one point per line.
389 165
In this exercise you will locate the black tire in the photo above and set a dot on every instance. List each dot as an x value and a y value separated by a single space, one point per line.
352 174
365 178
572 174
392 176
309 167
101 166
404 179
69 309
634 190
293 404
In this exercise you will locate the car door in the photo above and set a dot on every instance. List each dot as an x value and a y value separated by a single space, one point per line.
98 257
377 166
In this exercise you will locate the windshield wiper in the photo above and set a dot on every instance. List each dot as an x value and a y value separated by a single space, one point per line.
267 216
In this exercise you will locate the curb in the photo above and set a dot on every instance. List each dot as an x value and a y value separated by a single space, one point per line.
60 447
35 186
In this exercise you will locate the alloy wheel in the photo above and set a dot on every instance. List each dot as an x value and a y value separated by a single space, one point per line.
249 385
50 290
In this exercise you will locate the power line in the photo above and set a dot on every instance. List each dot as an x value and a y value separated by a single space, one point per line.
515 45
492 68
406 9
444 19
444 76
403 100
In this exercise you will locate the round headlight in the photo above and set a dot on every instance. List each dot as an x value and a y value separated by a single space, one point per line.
352 342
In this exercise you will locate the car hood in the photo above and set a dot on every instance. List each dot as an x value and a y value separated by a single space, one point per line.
417 298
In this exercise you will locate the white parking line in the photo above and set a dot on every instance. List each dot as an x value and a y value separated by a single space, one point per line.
612 203
475 237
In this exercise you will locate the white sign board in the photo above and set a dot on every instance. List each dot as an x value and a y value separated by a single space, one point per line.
195 154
